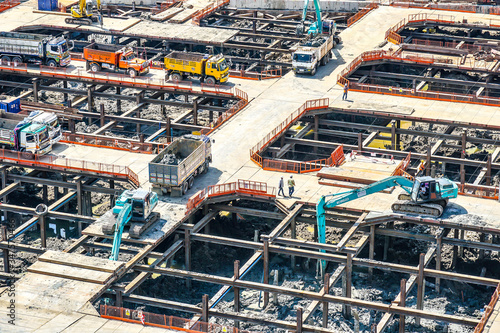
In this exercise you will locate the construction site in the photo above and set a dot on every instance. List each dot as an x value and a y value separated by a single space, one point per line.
249 166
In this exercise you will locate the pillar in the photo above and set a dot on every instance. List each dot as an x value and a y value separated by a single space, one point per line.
462 156
43 235
204 308
187 257
402 303
293 230
299 320
118 101
428 161
398 136
236 291
372 250
6 266
421 286
439 245
101 109
65 94
119 298
347 286
266 271
360 141
168 129
326 288
36 86
195 112
45 195
316 128
111 197
455 250
79 203
90 99
481 252
393 134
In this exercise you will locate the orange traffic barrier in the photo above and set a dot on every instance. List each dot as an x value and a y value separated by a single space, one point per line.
248 187
4 5
163 321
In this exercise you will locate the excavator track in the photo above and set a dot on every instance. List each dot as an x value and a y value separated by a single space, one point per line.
137 228
109 227
429 209
80 21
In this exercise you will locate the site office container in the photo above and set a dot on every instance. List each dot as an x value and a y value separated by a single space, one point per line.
49 5
10 104
178 178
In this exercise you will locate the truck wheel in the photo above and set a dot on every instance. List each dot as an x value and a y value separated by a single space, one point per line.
313 71
132 72
205 167
94 67
17 61
176 77
190 182
52 63
210 80
5 60
184 188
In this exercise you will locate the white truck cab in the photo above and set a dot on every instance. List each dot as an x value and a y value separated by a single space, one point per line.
49 119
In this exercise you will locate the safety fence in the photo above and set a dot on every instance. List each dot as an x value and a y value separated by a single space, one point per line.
366 57
113 143
452 45
478 191
247 187
208 10
255 152
359 15
164 5
4 5
336 158
163 321
455 7
488 310
392 34
67 164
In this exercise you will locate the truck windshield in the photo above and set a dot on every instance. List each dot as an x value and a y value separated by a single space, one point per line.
64 47
42 136
222 65
302 57
129 57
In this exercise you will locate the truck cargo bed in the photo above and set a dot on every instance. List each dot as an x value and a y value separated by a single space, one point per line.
197 57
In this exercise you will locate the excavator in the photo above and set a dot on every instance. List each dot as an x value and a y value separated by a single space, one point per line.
316 27
134 207
85 13
424 196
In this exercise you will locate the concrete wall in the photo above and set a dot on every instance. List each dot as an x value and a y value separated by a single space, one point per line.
334 6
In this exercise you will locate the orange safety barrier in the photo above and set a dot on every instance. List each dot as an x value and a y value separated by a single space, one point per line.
487 312
240 187
208 10
402 166
478 191
281 128
163 321
66 164
356 17
113 143
338 156
4 5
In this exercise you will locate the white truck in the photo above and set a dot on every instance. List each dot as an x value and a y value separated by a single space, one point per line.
314 52
49 119
24 137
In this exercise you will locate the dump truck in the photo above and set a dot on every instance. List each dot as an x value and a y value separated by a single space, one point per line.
115 58
50 120
173 169
207 68
24 136
20 47
314 52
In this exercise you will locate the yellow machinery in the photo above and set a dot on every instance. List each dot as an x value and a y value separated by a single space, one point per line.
85 13
209 69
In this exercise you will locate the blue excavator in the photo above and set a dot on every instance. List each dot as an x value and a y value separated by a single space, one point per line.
134 208
424 196
317 27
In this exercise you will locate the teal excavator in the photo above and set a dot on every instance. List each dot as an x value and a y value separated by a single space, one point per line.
134 208
424 196
317 27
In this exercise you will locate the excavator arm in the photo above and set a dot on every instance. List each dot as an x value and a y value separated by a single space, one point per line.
343 197
121 220
317 27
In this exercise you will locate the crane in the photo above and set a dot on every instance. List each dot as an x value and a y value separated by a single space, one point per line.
134 207
424 195
85 13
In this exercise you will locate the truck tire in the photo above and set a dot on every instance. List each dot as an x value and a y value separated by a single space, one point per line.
17 61
176 77
184 187
205 167
210 80
5 60
314 70
52 63
190 182
132 72
95 67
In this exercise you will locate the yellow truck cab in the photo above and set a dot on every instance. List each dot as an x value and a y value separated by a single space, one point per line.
208 68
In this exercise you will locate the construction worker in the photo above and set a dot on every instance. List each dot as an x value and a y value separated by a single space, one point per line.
280 186
346 89
291 185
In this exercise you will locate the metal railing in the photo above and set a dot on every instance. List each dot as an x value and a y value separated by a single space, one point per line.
248 187
113 143
208 10
67 164
4 5
356 17
487 312
163 321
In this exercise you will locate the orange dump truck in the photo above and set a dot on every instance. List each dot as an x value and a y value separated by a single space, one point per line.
114 57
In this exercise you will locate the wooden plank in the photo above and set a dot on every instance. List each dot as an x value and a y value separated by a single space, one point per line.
70 273
81 261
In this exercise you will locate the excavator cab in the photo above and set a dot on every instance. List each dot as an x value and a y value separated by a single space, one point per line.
425 189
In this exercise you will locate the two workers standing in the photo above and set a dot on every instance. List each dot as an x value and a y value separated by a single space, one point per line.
291 186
